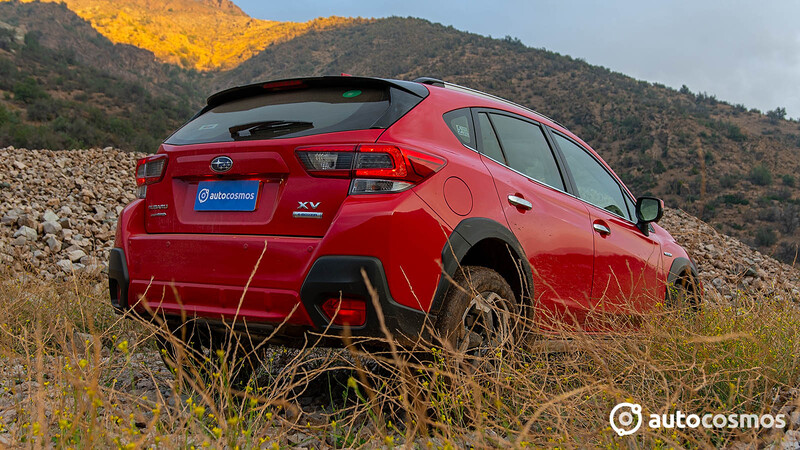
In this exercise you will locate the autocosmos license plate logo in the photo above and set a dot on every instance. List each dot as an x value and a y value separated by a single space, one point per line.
239 195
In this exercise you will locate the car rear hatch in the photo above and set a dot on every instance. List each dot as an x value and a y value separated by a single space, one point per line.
235 168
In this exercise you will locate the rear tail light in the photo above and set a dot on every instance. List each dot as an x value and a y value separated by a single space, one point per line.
373 168
345 311
149 170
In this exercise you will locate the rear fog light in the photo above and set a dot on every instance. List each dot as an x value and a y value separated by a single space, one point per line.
346 311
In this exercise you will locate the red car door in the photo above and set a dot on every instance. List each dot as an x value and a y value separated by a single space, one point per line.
551 225
626 261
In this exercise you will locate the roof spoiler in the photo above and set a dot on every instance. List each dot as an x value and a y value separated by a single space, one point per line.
238 92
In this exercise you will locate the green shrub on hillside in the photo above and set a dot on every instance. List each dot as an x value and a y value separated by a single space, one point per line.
766 237
760 175
29 90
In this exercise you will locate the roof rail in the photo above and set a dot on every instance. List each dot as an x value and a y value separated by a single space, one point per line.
458 87
430 81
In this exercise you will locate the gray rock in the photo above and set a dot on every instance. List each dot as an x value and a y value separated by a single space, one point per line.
10 218
53 243
791 440
19 242
50 216
76 255
27 232
38 254
65 265
65 211
88 261
19 165
81 341
27 221
51 227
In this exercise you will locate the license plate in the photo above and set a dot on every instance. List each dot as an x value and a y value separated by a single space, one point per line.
238 195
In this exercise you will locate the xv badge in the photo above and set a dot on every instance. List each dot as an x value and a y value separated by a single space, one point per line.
305 205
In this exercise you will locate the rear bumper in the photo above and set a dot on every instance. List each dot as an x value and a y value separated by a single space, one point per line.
263 309
204 275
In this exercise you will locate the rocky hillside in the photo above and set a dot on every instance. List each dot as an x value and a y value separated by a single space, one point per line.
199 34
735 168
58 216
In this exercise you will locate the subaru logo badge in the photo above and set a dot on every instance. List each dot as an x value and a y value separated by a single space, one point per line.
221 164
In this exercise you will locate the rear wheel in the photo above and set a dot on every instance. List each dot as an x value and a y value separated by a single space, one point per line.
480 312
195 348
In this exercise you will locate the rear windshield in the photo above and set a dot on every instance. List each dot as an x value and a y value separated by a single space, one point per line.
293 113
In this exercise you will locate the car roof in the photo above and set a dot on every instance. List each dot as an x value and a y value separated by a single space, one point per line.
484 95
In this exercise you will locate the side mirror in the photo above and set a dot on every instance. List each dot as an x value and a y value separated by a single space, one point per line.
648 209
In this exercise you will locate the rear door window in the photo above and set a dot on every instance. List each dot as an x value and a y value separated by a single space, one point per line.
526 149
489 145
303 111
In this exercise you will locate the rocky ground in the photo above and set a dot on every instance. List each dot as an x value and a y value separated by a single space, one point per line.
58 209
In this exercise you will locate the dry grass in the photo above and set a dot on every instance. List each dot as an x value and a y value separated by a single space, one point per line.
76 375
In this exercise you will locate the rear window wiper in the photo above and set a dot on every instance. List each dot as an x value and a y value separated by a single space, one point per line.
271 128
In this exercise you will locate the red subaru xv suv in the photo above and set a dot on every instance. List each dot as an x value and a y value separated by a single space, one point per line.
272 204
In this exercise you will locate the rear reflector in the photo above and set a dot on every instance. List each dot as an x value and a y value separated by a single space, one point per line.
345 311
370 165
373 186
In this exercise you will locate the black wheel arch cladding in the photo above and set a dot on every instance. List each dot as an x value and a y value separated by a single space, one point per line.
467 235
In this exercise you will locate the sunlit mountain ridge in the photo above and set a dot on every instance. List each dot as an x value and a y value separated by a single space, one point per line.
199 34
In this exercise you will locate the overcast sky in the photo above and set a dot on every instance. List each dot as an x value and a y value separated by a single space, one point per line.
741 51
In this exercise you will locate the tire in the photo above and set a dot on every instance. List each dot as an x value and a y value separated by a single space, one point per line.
479 313
194 347
684 295
180 345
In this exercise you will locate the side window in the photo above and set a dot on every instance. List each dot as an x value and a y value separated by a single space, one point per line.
526 149
460 123
594 183
489 145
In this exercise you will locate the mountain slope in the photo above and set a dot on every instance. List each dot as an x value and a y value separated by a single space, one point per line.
62 85
200 34
734 168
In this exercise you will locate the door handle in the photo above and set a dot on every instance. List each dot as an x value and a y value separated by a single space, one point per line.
602 229
520 202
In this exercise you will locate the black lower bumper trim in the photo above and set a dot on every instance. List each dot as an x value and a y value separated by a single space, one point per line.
118 279
341 276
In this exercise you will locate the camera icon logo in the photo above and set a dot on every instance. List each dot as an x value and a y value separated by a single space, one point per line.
626 418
